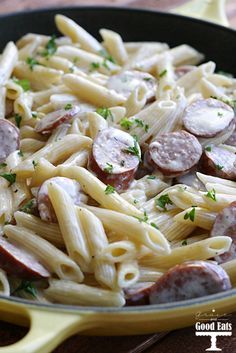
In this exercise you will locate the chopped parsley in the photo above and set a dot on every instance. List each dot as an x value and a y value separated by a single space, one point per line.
50 47
142 219
2 165
24 83
105 113
147 78
10 177
163 73
105 64
140 123
34 164
190 215
163 200
20 153
68 106
151 177
27 287
122 163
32 62
126 123
135 201
208 148
75 60
107 56
220 114
34 115
27 208
184 242
154 225
109 168
18 119
109 190
211 194
94 66
135 150
219 167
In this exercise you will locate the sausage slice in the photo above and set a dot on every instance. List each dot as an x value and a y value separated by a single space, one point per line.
115 157
174 153
207 117
9 137
126 81
225 224
19 262
189 280
50 121
72 187
219 162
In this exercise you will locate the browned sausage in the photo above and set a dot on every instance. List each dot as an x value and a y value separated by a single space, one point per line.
19 262
126 81
207 117
225 224
174 153
232 139
114 157
189 280
72 187
219 162
50 121
9 137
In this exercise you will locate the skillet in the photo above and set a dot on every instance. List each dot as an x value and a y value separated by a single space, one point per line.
51 324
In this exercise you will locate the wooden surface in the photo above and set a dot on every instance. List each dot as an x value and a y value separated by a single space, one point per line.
181 341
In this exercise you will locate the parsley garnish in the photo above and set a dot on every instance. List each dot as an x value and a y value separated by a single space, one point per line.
94 66
147 78
76 59
163 200
135 150
190 215
26 286
107 56
24 83
104 64
2 165
109 190
208 148
219 167
122 163
135 201
140 123
68 106
20 153
27 208
32 62
184 242
126 123
18 119
142 219
163 73
109 168
34 115
151 177
50 47
154 225
211 194
34 164
220 114
105 113
11 178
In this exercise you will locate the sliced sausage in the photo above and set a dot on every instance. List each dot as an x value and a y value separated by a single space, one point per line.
219 162
138 296
72 187
189 280
111 160
183 70
232 139
207 117
9 137
126 81
225 224
174 153
50 121
19 262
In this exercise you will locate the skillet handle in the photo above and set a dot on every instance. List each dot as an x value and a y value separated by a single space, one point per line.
47 330
209 10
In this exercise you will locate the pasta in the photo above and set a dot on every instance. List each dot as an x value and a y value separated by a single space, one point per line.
101 194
